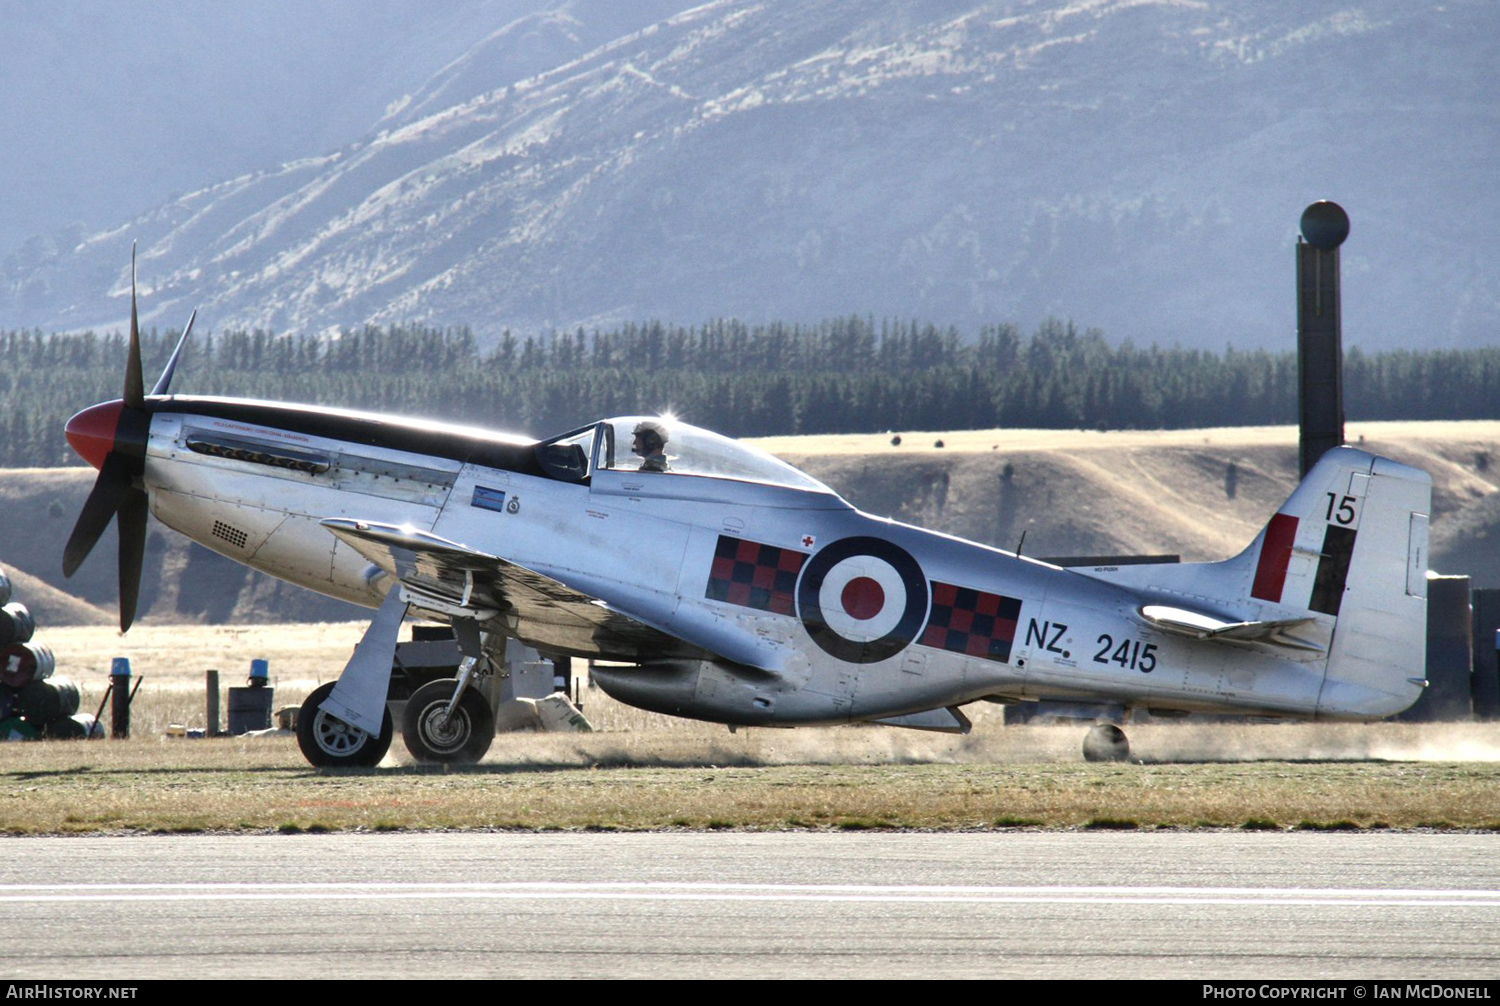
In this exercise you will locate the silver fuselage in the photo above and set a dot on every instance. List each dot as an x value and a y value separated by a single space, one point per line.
907 620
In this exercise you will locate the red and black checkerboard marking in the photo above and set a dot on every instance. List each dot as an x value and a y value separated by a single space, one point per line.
969 621
755 575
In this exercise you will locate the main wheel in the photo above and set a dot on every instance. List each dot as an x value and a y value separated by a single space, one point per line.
1105 742
464 738
327 741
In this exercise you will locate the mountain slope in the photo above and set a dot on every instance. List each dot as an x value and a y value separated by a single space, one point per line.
1136 164
106 110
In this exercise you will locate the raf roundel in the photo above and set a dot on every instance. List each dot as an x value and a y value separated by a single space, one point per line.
862 599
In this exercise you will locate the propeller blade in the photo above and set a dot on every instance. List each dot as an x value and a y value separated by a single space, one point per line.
164 383
109 491
135 393
132 528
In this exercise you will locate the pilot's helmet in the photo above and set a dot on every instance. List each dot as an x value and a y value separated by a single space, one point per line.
652 435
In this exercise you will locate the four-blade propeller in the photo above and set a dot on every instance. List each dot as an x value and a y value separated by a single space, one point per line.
112 437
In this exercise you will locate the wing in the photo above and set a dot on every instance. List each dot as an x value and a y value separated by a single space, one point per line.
542 612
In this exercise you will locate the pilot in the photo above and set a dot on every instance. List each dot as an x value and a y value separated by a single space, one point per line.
650 442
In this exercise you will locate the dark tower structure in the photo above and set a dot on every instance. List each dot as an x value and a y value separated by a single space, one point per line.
1320 352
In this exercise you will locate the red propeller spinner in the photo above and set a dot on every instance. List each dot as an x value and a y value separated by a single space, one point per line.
92 432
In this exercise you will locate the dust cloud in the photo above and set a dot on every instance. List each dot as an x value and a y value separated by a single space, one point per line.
707 746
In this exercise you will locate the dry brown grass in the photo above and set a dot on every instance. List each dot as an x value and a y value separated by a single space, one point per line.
170 662
641 770
653 781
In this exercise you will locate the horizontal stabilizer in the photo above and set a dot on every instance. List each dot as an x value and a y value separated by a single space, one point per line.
1197 625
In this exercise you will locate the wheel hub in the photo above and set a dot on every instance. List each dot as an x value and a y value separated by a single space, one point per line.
444 734
337 737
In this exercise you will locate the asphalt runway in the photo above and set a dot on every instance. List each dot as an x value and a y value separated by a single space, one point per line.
1256 906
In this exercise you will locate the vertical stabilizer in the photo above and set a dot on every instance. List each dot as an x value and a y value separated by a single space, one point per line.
1351 544
1343 563
1379 660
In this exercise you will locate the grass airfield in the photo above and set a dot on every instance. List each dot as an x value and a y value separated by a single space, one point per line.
845 779
1125 491
641 771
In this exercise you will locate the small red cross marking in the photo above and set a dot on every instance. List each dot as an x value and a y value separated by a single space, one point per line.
807 541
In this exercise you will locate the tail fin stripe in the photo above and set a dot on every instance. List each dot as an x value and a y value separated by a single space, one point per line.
1275 554
1333 570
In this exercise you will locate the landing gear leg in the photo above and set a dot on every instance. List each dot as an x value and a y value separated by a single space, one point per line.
1106 742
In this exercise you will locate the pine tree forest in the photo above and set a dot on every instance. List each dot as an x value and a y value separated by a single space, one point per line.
847 375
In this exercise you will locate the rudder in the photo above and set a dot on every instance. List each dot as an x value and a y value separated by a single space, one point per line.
1378 663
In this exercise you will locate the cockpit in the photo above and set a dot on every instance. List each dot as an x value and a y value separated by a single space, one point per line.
659 447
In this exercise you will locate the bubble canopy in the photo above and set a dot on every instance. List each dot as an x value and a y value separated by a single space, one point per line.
613 445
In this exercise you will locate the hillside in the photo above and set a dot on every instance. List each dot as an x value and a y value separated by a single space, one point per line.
1069 492
1137 165
1146 492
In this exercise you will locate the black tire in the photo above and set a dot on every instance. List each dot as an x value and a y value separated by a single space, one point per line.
328 742
464 739
1106 742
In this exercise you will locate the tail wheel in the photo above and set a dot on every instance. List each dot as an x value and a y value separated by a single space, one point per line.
328 742
463 738
1106 742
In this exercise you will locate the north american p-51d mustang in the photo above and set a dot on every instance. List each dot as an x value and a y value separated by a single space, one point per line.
722 584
